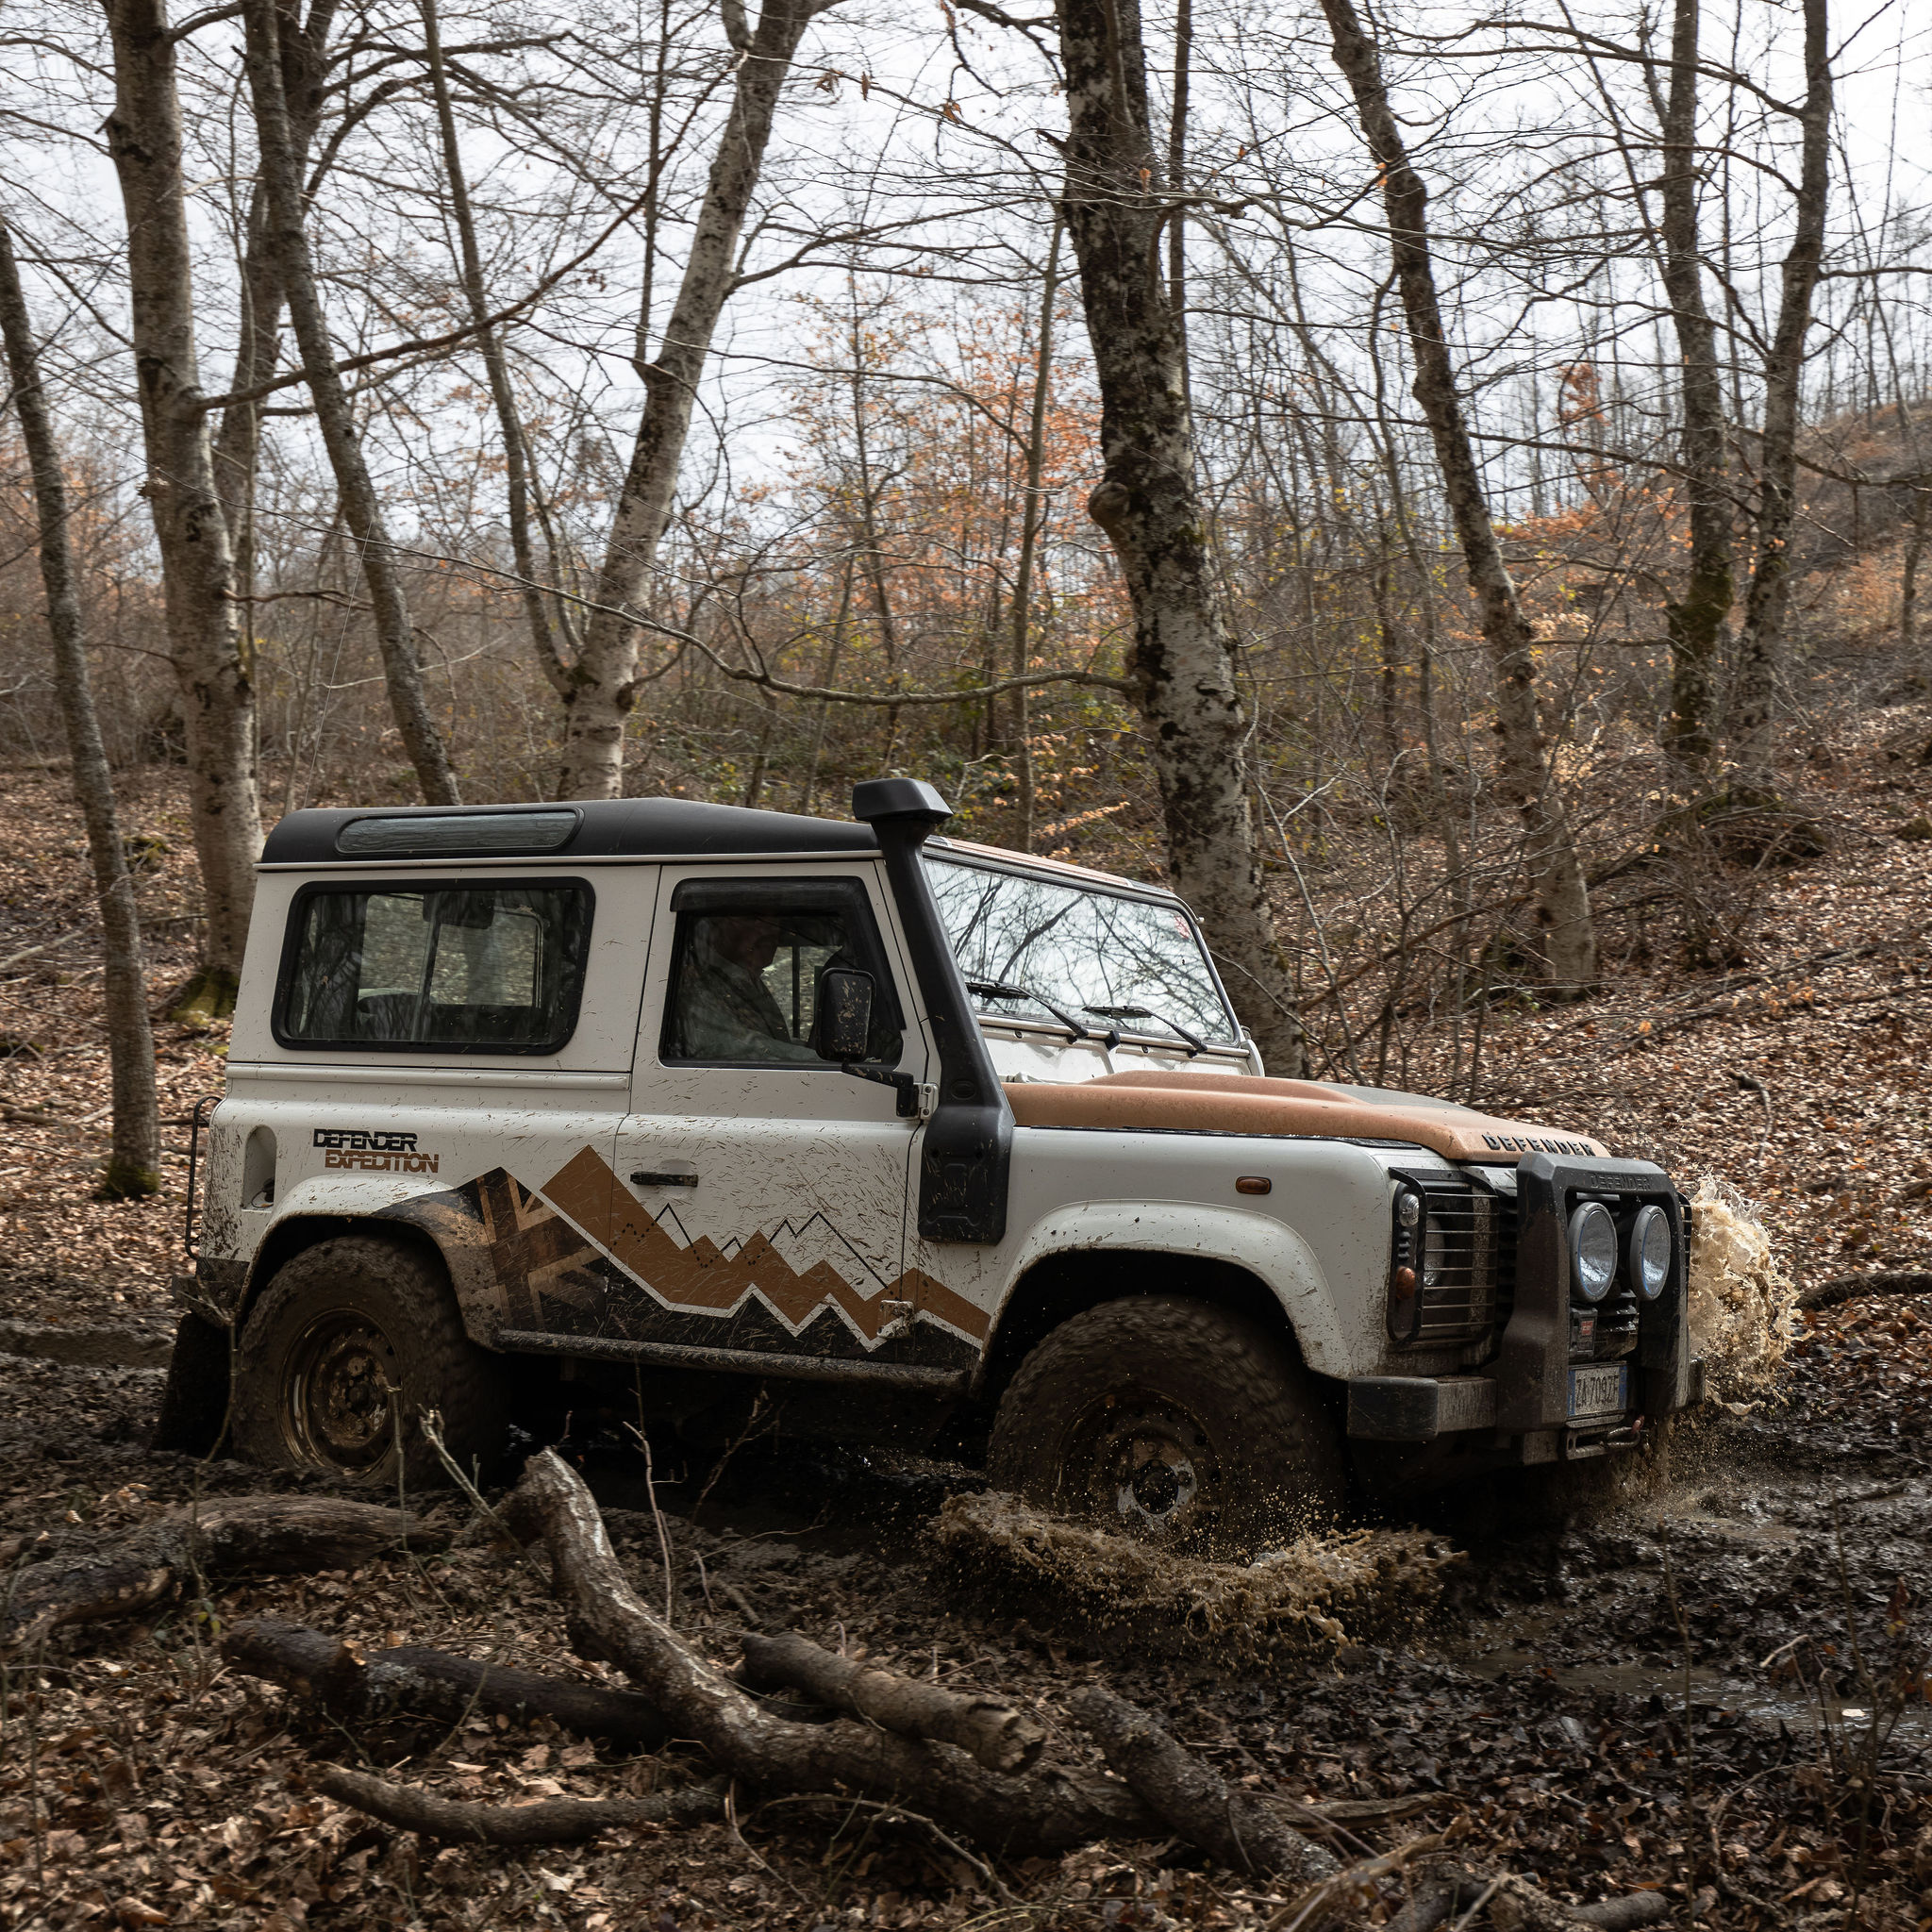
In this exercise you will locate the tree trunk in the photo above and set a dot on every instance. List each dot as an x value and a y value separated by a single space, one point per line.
198 562
134 1159
1761 652
1524 777
238 442
96 1579
1182 663
516 462
602 686
1048 1811
347 1687
548 1821
1000 1737
1234 1826
1032 520
1696 621
1909 575
237 439
395 634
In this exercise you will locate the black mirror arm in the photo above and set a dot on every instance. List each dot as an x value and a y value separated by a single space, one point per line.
903 1085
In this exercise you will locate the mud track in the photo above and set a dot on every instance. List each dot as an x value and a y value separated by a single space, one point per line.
1706 1675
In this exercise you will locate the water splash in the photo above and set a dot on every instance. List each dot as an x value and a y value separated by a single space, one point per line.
1744 1307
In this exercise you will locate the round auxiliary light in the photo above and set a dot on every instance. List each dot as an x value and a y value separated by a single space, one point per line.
1593 1251
1650 1251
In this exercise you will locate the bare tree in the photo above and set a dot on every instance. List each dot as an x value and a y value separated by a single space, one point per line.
134 1159
362 506
197 560
1148 501
1697 619
304 46
1761 644
516 452
1528 782
1032 521
600 688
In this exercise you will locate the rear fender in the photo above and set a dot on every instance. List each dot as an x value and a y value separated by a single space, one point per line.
479 1248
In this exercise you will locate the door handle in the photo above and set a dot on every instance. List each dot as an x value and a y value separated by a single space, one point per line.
651 1177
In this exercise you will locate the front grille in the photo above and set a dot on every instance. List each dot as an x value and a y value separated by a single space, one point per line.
1469 1277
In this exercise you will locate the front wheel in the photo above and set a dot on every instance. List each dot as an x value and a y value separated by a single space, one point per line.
1170 1421
350 1345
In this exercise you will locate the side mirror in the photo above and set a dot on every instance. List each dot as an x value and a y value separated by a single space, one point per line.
844 1014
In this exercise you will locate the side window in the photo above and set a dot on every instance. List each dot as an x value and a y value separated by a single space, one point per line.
745 965
490 967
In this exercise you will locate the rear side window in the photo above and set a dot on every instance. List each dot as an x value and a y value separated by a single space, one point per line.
477 967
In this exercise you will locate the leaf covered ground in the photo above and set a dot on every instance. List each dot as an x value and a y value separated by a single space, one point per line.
1705 1674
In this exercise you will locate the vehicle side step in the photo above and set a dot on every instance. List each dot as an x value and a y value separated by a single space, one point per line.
738 1361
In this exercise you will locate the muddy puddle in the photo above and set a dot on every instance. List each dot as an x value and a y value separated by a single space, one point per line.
1533 1644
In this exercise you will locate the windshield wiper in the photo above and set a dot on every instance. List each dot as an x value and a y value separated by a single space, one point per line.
994 990
1195 1045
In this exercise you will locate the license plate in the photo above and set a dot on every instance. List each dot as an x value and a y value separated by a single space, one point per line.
1599 1391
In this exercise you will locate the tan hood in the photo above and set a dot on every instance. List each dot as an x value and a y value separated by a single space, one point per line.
1241 1104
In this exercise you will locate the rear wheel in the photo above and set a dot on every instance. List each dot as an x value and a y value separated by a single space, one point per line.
1170 1421
350 1345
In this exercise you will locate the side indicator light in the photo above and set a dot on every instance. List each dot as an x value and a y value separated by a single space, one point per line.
1403 1283
1254 1184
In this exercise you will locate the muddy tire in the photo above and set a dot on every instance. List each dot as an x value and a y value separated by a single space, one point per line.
1171 1422
350 1344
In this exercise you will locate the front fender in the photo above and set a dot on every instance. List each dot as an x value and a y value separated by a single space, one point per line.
1270 1250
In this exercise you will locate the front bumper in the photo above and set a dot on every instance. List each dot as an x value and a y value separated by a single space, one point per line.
1529 1398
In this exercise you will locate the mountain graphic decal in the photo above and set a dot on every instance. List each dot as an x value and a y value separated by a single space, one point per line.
699 1277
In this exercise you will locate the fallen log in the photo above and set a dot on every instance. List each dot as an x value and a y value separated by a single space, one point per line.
1519 1905
408 1680
1051 1810
1850 1288
89 1582
1342 1894
1625 1914
548 1821
1515 1903
1430 1903
1194 1801
1000 1737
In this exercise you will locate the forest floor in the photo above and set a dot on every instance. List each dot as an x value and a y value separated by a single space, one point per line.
1705 1674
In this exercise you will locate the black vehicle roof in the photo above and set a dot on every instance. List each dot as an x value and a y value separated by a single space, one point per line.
605 828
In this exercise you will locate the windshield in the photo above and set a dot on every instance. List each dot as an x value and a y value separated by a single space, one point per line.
1029 946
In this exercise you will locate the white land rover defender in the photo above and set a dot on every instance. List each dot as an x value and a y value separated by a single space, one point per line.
672 1103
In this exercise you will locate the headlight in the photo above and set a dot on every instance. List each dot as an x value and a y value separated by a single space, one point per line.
1650 1251
1406 1266
1593 1251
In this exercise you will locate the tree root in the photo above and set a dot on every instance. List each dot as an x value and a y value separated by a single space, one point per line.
1002 1739
1052 1811
1624 1914
411 1681
1342 1895
284 1535
549 1821
1515 1904
1230 1825
1850 1288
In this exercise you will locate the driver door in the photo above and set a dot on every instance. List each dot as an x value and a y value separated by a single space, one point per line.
761 1191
